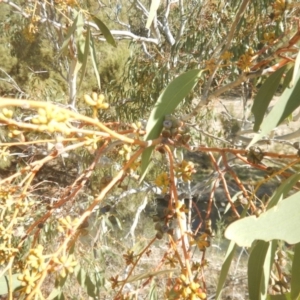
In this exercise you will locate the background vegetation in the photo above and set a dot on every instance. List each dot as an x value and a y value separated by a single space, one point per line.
121 165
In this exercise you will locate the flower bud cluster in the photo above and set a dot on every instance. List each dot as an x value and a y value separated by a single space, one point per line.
175 129
6 113
64 265
126 151
36 259
97 101
66 224
52 119
245 61
28 279
184 289
185 170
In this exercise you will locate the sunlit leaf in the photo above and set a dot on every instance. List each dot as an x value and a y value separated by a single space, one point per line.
286 104
4 283
283 190
100 279
94 60
153 295
71 30
85 56
55 294
259 268
152 13
80 37
166 104
286 296
90 287
264 97
80 275
227 261
281 222
296 69
288 78
295 276
225 268
105 31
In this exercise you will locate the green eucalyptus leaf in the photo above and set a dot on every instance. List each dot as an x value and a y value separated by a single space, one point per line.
227 262
283 190
295 276
153 295
80 37
281 222
85 56
105 31
100 279
286 296
60 282
296 70
90 287
55 294
264 97
71 30
166 104
152 13
80 275
225 268
288 78
259 268
94 60
60 296
287 103
4 283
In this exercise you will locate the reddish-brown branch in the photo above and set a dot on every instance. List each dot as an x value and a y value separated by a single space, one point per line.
75 188
224 184
178 212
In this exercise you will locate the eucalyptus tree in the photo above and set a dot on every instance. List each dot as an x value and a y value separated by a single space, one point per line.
183 56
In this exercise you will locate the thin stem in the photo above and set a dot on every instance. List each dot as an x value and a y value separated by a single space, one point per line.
179 213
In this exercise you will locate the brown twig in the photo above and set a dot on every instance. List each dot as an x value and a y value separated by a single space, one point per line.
224 185
178 213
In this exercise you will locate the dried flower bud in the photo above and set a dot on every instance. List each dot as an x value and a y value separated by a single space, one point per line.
168 124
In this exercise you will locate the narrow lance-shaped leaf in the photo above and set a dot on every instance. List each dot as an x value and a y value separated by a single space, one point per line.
283 190
259 268
166 104
90 287
225 268
295 281
80 275
286 296
287 103
152 13
153 295
288 78
264 97
55 293
85 56
80 37
4 283
105 31
227 262
296 69
71 30
94 61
